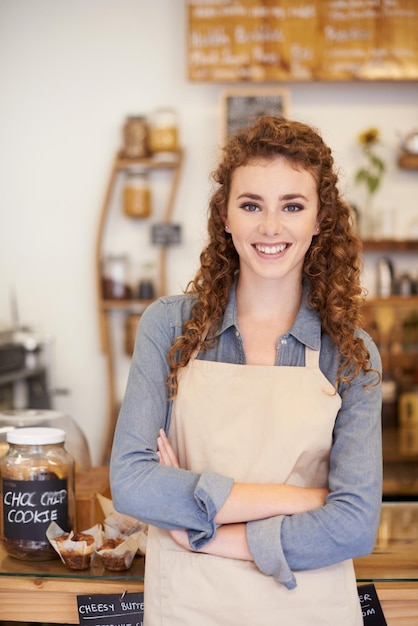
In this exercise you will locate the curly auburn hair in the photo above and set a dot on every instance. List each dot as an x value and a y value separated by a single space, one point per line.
332 263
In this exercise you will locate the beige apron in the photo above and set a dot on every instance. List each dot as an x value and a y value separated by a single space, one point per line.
256 424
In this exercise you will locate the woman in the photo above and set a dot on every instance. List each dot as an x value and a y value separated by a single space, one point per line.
269 482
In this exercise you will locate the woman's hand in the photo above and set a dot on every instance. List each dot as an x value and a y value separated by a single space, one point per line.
181 537
165 452
230 542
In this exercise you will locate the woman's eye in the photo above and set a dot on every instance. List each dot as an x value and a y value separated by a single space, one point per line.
249 206
293 208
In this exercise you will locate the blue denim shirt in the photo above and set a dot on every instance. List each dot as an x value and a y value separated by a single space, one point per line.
175 498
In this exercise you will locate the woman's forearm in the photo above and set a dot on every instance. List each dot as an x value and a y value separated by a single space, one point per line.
249 502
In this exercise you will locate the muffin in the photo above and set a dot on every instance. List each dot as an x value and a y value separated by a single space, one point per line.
117 553
76 550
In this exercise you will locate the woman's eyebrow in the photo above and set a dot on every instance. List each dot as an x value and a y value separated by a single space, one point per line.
252 196
293 196
287 196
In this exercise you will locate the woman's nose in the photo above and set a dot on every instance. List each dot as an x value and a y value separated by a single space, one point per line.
271 223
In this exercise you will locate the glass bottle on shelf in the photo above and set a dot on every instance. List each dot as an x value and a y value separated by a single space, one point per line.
137 193
115 286
146 285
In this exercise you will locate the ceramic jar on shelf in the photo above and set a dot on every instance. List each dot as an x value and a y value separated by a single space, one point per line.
137 193
164 139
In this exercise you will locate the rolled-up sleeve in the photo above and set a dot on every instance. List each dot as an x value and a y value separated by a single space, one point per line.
210 494
261 536
346 526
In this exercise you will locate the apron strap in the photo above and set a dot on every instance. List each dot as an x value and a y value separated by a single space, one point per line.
311 357
196 352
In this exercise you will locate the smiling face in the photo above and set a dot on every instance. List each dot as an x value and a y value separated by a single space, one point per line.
272 215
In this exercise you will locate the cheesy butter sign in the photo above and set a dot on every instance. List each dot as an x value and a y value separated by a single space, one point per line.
111 609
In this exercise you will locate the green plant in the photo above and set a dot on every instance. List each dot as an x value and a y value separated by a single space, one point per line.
372 172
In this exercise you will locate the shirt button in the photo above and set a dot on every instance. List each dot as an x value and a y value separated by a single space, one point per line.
283 342
237 333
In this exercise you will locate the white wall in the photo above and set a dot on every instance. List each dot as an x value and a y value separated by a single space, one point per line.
70 72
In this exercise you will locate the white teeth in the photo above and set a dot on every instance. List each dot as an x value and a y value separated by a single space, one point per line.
270 249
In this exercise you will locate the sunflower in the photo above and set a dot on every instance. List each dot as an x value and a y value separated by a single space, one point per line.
369 137
372 172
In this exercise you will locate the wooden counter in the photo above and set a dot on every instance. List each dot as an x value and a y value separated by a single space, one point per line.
47 591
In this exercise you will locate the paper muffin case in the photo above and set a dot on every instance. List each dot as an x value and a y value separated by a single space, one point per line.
120 526
118 554
75 549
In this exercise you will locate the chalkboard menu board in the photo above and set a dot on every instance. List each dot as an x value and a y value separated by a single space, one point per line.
288 40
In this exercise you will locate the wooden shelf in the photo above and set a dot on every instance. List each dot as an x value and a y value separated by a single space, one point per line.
408 161
136 306
124 163
396 302
391 245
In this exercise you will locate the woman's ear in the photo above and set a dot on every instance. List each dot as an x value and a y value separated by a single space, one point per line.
225 221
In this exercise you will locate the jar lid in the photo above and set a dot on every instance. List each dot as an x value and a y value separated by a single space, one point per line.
164 117
36 436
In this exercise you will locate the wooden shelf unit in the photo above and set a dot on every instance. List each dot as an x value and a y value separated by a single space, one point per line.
385 314
131 306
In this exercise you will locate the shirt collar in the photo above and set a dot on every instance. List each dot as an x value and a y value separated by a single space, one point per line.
230 317
306 327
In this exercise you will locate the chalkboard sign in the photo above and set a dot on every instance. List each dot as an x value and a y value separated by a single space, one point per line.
242 107
111 609
370 606
277 40
166 234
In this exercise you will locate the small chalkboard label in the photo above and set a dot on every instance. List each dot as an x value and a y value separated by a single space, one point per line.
126 609
370 606
166 234
29 506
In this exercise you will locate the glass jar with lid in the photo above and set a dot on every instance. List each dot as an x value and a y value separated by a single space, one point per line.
114 283
137 193
163 132
135 137
37 488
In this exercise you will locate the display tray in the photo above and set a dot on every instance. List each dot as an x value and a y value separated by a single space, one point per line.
56 569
